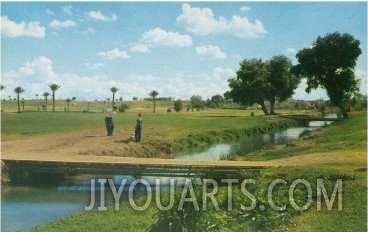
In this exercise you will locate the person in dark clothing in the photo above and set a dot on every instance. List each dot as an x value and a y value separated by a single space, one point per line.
138 128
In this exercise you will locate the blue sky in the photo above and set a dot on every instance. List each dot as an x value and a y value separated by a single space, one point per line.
179 49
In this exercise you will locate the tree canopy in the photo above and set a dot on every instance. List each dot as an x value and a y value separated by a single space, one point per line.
257 81
329 63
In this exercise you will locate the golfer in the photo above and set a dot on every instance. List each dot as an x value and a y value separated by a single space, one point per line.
138 128
108 120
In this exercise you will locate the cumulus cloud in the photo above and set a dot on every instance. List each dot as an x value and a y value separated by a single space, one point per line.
143 78
141 48
12 29
160 37
114 54
95 65
65 24
290 51
245 8
50 12
212 51
39 73
98 16
223 73
203 22
362 75
67 9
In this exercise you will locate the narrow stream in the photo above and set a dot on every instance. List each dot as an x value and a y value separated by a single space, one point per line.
23 207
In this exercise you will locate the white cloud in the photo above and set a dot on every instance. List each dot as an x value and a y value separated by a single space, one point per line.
65 24
91 30
290 51
203 22
212 51
161 37
50 12
315 94
362 75
13 29
98 16
142 78
114 54
96 65
37 74
245 8
141 48
67 9
223 73
34 76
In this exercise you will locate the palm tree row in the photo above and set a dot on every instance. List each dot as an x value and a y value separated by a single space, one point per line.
54 87
18 90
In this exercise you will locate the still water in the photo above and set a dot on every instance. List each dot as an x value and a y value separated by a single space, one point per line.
23 207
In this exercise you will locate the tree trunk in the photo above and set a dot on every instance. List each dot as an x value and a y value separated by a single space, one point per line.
272 110
53 101
154 105
343 110
264 108
18 103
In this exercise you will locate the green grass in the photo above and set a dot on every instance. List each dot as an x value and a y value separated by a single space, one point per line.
341 135
169 125
125 219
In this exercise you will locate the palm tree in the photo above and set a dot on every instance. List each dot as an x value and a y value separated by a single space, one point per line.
18 90
68 100
53 88
46 95
113 90
1 88
154 94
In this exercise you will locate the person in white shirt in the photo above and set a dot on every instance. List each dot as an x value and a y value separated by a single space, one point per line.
109 113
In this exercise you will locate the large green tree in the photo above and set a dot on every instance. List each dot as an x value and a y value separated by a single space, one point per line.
329 63
53 88
178 105
217 101
18 90
281 81
196 102
250 84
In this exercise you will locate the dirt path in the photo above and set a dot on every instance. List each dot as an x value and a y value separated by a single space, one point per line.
69 145
95 146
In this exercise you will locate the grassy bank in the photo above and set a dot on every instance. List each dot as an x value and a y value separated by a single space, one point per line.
341 135
340 138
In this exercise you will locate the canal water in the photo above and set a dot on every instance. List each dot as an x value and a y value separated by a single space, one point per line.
23 207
